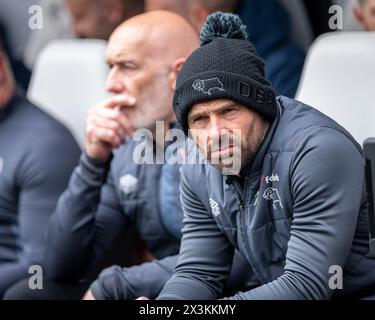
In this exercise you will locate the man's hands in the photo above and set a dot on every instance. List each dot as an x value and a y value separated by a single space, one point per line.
88 296
107 126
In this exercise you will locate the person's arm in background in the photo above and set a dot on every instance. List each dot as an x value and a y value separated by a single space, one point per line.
205 256
88 218
85 224
147 279
41 179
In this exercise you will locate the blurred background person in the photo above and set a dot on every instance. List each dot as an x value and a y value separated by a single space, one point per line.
97 19
268 27
268 24
195 11
37 156
364 12
62 19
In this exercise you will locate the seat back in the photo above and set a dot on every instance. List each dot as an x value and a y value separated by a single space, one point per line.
338 79
68 79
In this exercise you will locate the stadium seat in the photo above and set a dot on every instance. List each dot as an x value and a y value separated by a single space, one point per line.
338 79
69 78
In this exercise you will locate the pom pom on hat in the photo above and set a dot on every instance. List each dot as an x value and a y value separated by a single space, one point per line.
222 25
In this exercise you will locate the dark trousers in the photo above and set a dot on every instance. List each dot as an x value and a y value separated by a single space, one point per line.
51 291
117 283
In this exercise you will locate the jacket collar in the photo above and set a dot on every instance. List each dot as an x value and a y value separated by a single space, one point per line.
256 166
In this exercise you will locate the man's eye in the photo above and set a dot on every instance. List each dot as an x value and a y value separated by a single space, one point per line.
229 111
199 119
127 66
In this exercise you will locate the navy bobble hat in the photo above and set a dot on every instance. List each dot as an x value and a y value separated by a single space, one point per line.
226 66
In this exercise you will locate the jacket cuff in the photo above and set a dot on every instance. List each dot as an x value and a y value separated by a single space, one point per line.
93 171
96 291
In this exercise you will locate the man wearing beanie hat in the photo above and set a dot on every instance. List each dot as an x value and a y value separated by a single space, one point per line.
295 208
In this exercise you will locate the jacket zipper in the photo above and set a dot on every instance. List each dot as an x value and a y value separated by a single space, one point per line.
244 237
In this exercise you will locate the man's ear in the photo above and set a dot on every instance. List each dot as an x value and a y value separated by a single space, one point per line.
176 68
358 14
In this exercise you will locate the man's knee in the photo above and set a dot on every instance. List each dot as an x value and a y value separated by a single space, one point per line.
21 291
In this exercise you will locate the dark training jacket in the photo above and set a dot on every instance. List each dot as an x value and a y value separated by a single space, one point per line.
102 198
300 216
37 156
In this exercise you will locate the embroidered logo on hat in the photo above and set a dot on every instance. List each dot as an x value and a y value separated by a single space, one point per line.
208 85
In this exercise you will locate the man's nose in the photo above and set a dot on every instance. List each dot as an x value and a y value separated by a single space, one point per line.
216 129
114 83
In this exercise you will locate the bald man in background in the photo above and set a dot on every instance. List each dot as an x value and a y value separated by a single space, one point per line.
97 19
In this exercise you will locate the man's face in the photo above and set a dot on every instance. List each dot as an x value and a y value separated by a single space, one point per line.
89 19
227 133
368 15
137 72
